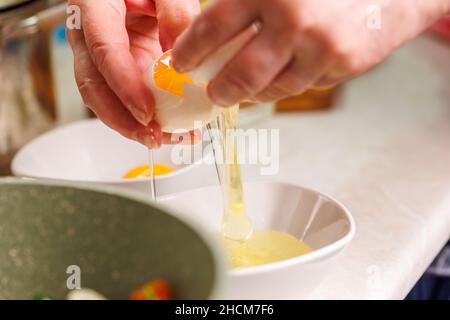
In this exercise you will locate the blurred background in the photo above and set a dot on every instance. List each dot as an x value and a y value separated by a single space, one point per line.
37 87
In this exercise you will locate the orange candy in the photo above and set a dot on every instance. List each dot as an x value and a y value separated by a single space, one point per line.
158 289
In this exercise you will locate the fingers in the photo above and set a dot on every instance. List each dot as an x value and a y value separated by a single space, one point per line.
336 75
310 64
174 16
292 81
218 24
103 102
252 70
108 43
144 40
329 81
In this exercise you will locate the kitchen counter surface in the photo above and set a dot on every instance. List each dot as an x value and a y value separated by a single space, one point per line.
384 151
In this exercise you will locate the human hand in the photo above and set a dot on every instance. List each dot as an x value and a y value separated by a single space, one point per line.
301 43
118 41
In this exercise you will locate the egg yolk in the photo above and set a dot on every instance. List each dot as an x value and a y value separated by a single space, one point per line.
166 78
144 171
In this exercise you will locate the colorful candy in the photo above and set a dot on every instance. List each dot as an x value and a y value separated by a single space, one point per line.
42 296
84 294
158 289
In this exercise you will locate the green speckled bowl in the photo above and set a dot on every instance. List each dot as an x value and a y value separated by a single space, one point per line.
120 241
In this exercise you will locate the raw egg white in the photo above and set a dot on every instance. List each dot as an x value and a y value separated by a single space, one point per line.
264 246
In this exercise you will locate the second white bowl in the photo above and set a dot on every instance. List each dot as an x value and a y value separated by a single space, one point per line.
89 151
317 219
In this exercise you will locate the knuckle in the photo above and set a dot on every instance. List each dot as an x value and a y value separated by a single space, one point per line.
185 18
345 52
349 64
342 55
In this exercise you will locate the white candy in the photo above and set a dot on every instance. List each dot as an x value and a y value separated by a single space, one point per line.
84 294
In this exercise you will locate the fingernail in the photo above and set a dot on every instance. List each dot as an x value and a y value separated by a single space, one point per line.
166 42
141 116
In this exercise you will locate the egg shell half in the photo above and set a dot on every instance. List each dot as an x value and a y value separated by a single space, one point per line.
175 113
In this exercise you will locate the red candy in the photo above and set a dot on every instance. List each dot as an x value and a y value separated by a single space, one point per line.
158 289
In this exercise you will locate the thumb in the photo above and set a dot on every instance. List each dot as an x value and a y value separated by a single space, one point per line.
174 16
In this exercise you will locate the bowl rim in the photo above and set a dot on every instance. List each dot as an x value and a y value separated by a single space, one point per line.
118 181
220 266
330 249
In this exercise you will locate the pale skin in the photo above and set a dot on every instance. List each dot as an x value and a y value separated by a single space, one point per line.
301 44
119 39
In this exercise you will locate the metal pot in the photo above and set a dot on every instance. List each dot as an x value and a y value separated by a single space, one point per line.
27 97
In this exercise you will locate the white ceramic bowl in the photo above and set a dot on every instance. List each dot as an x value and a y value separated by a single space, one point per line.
317 219
89 151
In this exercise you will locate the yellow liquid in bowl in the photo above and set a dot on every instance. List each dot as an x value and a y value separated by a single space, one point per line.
264 246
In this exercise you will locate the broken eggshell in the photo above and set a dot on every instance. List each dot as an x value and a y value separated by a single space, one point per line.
194 108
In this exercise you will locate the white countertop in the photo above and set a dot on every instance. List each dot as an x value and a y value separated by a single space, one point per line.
384 151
